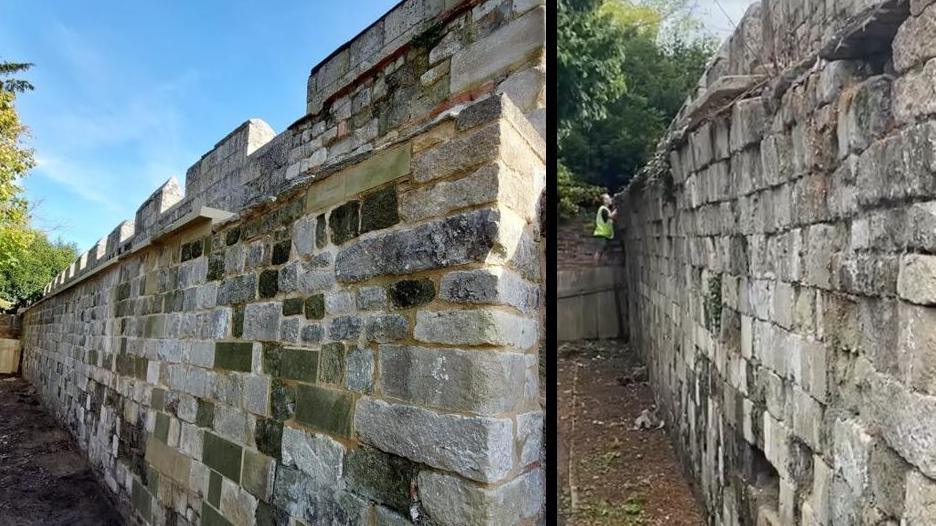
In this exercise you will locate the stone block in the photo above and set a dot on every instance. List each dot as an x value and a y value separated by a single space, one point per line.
526 88
168 461
476 327
483 185
452 500
316 455
359 369
920 500
479 448
748 122
385 328
371 298
325 409
914 41
865 114
497 286
379 210
339 302
268 435
259 472
237 504
262 321
479 382
314 307
915 356
233 356
345 328
916 281
332 363
257 395
887 474
222 456
379 477
298 364
238 289
303 236
513 44
530 432
464 238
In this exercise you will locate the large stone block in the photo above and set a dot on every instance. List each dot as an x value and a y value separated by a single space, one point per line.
476 327
916 282
914 94
460 239
497 286
262 321
316 455
916 359
222 456
480 382
451 500
920 500
915 40
513 44
325 409
479 448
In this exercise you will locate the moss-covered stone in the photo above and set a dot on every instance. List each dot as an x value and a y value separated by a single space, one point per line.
380 477
272 358
223 456
411 292
215 267
379 210
299 364
292 306
142 500
332 370
325 409
321 232
282 400
268 283
162 427
204 417
269 437
123 291
237 327
232 236
158 399
233 356
210 517
268 515
281 251
315 307
344 222
152 480
214 489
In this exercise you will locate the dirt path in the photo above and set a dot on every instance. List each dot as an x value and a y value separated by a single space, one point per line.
620 476
44 479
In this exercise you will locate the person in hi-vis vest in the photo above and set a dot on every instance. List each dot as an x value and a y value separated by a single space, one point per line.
604 225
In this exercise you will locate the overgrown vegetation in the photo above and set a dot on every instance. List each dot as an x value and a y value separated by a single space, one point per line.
625 68
28 259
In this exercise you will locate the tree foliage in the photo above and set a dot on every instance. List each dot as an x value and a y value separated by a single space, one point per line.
625 69
28 259
36 266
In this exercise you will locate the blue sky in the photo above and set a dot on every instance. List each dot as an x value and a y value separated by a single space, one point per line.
128 96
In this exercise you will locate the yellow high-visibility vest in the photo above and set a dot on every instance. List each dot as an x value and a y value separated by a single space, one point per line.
604 228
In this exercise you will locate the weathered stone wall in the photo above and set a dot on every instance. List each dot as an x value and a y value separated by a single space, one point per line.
781 282
338 324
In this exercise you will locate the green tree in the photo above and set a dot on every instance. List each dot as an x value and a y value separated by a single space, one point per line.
35 267
15 160
628 70
28 259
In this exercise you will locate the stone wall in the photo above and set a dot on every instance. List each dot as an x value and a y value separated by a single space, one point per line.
337 324
781 282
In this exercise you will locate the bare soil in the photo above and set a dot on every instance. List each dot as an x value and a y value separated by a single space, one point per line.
620 476
44 478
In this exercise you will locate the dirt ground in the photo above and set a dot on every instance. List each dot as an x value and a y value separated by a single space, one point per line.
44 479
620 476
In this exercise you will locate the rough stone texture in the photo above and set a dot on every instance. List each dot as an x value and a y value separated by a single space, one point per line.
294 363
474 447
787 309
